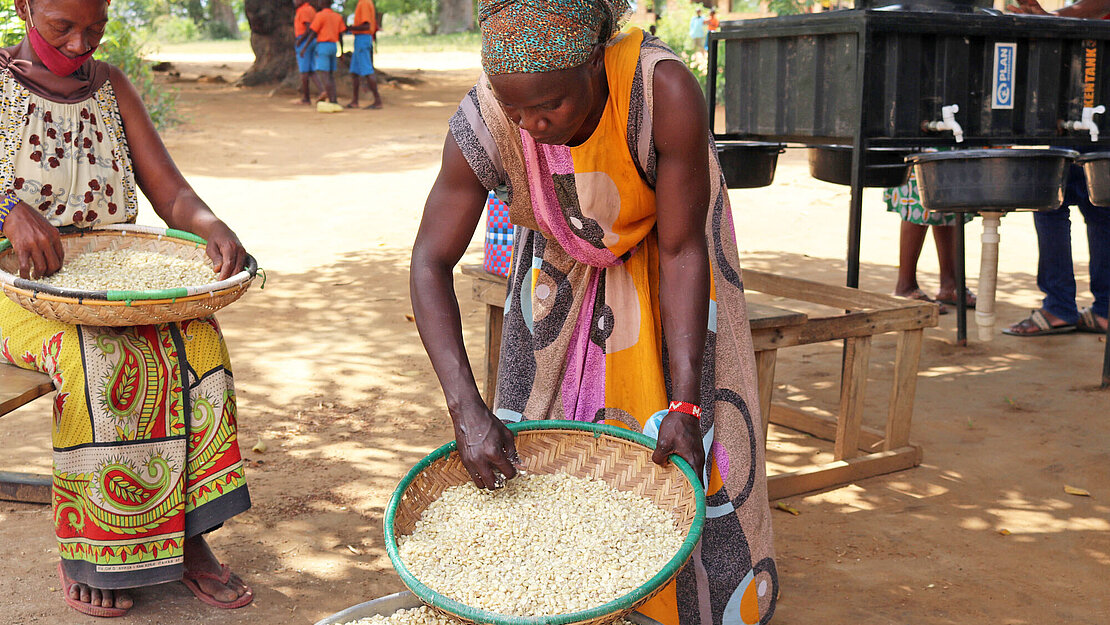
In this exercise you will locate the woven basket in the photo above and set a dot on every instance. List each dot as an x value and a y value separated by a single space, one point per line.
618 456
125 308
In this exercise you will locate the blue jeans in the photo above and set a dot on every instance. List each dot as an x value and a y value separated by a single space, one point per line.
1055 272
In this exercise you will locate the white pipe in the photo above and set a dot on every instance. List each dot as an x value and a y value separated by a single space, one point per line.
988 276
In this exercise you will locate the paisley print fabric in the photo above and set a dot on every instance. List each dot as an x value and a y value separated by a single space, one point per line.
68 160
583 334
144 437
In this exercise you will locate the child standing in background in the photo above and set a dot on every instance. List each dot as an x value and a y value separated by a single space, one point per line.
364 25
328 26
304 43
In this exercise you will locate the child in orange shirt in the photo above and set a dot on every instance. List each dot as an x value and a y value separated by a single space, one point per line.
328 26
364 25
305 47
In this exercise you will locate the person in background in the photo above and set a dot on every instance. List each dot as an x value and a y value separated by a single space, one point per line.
364 25
327 26
1059 312
304 45
146 457
712 24
916 221
697 30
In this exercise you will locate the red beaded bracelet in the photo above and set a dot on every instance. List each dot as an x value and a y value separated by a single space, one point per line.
685 407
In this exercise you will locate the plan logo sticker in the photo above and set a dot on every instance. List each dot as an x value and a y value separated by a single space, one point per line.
1005 58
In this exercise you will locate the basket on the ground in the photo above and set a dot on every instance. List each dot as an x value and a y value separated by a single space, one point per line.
619 457
125 308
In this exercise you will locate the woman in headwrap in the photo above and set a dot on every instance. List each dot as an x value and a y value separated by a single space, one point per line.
144 431
625 302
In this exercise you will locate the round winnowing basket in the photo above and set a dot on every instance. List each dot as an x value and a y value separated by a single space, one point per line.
619 457
125 308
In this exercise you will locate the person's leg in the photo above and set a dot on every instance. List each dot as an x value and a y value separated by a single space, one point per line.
1055 272
354 87
305 96
910 241
372 84
332 95
945 239
1098 243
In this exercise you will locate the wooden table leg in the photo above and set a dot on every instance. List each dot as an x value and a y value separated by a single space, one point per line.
495 319
902 393
850 418
765 377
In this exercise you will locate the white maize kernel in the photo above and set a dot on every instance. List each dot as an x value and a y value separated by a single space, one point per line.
542 545
128 270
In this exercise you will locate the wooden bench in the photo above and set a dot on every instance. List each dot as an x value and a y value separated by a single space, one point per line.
859 452
17 388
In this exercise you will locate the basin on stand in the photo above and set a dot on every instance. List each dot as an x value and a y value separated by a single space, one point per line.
990 183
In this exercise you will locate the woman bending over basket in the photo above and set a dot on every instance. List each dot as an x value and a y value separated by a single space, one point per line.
144 431
625 301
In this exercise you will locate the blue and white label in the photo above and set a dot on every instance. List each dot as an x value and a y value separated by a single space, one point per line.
1005 61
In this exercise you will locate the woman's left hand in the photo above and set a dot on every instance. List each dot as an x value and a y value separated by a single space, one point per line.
680 433
227 253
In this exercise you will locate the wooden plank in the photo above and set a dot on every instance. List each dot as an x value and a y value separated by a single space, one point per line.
25 487
488 288
904 386
762 316
765 378
842 472
495 319
823 426
854 385
825 294
819 330
20 386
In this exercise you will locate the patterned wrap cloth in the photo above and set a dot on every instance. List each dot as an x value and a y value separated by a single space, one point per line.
545 35
583 336
144 427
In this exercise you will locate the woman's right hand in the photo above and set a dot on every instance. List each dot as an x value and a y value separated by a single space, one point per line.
486 447
37 244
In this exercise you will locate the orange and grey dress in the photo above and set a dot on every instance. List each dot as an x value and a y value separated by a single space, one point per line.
144 427
583 334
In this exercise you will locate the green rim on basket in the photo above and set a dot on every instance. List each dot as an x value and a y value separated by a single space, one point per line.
112 295
438 600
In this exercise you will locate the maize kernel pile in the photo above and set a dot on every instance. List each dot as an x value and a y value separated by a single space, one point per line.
542 545
128 270
421 616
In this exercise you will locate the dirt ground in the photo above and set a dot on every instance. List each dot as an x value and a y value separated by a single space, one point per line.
331 375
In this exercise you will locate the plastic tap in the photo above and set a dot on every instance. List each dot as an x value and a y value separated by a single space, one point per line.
948 122
1087 121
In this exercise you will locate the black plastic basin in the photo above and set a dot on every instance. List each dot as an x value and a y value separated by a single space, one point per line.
992 180
882 167
1096 168
748 164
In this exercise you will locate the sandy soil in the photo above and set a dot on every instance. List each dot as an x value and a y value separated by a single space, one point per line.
331 375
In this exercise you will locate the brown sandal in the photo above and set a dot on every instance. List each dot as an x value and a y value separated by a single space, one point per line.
1036 324
1088 322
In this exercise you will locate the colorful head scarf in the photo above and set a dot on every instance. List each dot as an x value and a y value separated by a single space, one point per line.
545 35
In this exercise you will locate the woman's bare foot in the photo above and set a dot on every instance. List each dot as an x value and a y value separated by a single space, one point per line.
94 601
200 559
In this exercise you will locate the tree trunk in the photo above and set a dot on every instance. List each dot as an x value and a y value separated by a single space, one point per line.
455 16
271 23
224 22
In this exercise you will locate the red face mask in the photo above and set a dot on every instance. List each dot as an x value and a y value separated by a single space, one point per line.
52 58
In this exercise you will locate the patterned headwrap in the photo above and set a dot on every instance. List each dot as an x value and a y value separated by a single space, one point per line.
545 35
